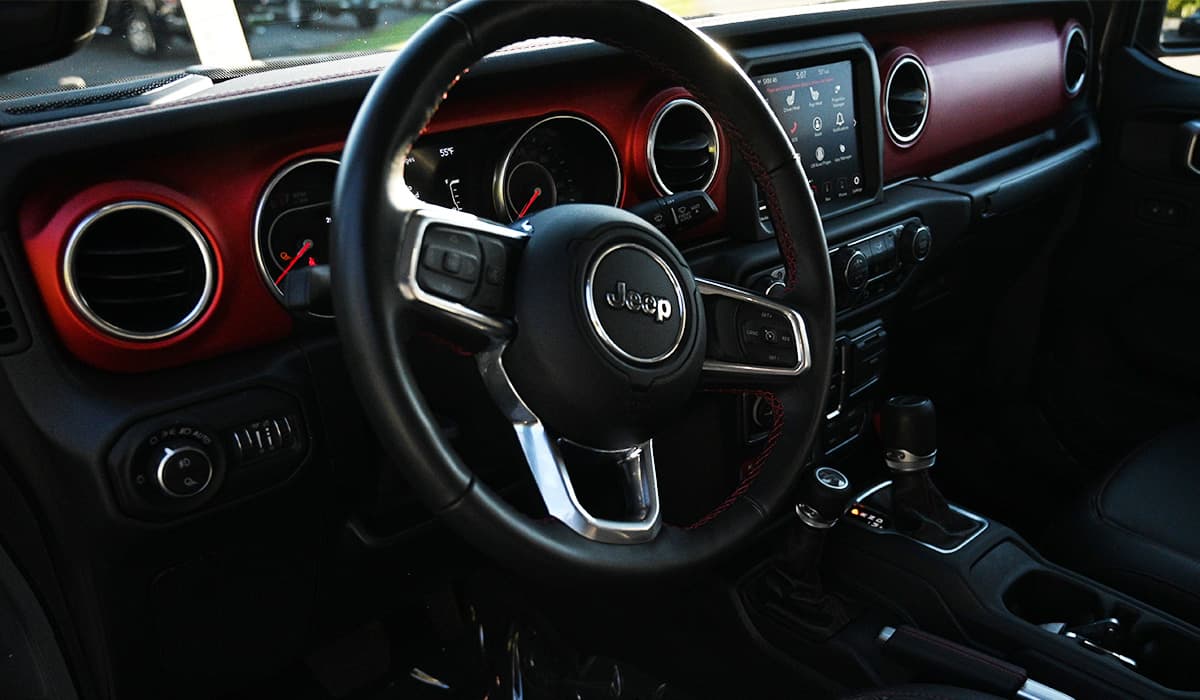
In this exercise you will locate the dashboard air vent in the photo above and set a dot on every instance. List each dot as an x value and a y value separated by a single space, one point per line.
139 271
906 100
1075 61
683 149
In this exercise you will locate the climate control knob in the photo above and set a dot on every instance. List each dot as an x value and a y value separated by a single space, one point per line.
851 269
182 468
915 243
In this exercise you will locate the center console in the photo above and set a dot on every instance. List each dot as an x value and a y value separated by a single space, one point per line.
911 587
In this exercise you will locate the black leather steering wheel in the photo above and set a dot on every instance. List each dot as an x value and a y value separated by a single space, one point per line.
595 329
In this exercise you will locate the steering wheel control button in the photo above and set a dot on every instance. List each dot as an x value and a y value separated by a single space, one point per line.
451 263
492 293
766 337
635 303
183 470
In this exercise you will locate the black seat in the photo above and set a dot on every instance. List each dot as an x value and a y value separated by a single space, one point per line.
1139 530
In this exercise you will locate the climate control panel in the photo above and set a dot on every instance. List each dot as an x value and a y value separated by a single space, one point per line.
874 266
869 268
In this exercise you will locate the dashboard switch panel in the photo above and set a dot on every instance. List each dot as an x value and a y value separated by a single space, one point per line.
209 453
263 437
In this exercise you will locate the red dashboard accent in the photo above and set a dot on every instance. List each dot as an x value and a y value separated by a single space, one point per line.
218 188
219 195
988 84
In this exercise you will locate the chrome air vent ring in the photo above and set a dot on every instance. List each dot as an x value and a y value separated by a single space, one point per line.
139 271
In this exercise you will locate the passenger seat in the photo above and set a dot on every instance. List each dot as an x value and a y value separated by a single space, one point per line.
1139 530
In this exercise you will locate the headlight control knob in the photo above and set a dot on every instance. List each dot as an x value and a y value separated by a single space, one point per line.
182 468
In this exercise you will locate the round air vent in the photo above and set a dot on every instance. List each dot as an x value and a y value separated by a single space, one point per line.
906 100
683 149
139 270
1075 61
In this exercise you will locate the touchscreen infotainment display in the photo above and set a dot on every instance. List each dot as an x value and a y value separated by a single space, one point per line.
816 108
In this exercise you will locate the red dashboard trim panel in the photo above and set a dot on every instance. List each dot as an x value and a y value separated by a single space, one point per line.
976 73
219 195
219 189
989 84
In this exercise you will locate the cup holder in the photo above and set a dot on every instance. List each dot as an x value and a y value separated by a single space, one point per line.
1159 650
1040 597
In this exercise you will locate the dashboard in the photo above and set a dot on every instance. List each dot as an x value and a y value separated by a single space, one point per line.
256 206
148 249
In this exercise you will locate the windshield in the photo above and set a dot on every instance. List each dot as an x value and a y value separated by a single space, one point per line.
149 37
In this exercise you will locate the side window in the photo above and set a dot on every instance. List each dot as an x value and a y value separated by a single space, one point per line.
1179 37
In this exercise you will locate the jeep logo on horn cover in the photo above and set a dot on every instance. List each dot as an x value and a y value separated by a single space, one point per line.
657 308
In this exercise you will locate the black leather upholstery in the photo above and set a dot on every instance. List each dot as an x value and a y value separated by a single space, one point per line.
1139 530
921 692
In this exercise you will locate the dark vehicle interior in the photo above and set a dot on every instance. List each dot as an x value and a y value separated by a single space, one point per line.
576 350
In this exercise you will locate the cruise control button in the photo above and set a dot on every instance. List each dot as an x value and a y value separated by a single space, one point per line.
491 295
450 263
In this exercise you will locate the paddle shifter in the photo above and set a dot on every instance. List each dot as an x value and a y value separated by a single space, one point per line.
909 430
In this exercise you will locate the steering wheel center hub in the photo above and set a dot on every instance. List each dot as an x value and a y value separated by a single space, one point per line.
608 343
635 303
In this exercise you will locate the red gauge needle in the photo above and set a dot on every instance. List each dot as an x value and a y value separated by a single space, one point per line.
537 192
295 259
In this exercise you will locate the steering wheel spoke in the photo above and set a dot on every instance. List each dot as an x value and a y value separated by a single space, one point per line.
750 337
546 457
459 268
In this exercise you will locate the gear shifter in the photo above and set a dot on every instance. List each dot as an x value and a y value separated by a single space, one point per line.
909 429
791 588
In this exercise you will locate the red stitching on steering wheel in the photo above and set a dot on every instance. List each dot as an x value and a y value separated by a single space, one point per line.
752 468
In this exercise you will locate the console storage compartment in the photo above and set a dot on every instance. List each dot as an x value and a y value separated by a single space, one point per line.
1041 597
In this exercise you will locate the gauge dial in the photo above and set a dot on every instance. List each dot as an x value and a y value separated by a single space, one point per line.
292 224
558 160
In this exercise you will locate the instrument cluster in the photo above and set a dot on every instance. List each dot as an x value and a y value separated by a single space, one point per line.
500 172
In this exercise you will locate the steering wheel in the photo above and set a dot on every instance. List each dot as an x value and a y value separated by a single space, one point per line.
595 331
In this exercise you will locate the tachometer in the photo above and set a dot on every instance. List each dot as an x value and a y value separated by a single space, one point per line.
558 160
291 228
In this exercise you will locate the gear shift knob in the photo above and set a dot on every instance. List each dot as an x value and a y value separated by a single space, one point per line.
909 427
824 495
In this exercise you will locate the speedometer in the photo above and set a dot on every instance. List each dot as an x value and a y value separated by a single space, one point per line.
291 228
559 160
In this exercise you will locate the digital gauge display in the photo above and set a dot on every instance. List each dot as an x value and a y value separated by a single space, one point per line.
441 172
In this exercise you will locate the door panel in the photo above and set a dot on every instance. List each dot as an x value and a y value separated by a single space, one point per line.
1120 361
